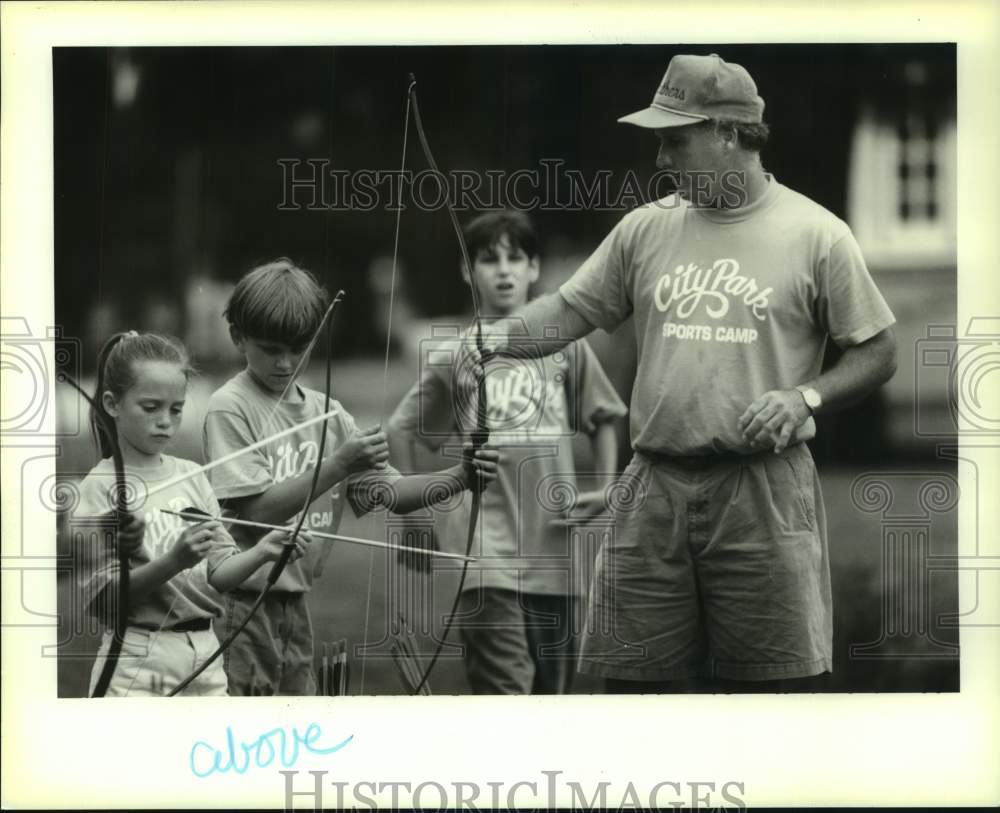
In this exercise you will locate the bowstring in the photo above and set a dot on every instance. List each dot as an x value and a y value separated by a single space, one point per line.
385 366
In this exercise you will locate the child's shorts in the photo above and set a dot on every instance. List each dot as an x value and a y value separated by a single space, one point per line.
153 662
518 642
718 568
273 655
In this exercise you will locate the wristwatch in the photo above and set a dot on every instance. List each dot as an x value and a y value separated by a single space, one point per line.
812 398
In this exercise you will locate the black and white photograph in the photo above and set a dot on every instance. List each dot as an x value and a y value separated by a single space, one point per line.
639 498
445 373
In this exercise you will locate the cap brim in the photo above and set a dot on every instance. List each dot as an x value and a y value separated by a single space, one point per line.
654 118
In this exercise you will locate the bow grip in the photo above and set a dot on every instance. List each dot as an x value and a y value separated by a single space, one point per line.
479 439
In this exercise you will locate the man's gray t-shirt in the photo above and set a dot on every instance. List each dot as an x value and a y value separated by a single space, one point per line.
728 305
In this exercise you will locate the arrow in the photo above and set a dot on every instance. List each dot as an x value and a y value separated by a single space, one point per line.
319 534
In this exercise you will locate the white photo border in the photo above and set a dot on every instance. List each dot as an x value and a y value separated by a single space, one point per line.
821 749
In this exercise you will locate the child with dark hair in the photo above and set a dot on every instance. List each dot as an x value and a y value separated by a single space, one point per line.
519 638
273 313
176 568
488 231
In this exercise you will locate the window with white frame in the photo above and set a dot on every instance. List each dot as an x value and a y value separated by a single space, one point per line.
901 189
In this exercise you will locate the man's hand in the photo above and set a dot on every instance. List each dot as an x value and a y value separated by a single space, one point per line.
130 534
368 449
480 469
496 337
273 543
194 544
470 361
772 419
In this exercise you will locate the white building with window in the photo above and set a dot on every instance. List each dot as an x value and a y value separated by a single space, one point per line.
902 208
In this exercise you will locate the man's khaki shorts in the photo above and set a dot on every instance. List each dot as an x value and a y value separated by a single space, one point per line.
718 567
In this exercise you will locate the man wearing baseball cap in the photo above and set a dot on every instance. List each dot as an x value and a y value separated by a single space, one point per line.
718 567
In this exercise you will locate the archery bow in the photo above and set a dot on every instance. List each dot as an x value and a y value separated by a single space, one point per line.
481 433
107 425
124 566
282 561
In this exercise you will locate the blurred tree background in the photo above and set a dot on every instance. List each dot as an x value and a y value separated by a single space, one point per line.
166 158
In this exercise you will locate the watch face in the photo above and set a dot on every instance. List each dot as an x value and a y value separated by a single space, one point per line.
812 398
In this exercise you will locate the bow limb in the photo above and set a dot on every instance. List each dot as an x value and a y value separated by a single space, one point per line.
278 567
481 433
425 146
124 567
121 511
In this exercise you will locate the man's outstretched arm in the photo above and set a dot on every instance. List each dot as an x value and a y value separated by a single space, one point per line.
541 327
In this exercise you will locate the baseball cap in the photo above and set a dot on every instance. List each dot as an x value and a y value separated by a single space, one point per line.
696 88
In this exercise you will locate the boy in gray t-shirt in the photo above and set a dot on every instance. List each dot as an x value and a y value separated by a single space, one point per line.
273 312
521 597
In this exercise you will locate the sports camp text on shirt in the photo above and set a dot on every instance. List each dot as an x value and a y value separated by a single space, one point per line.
716 287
